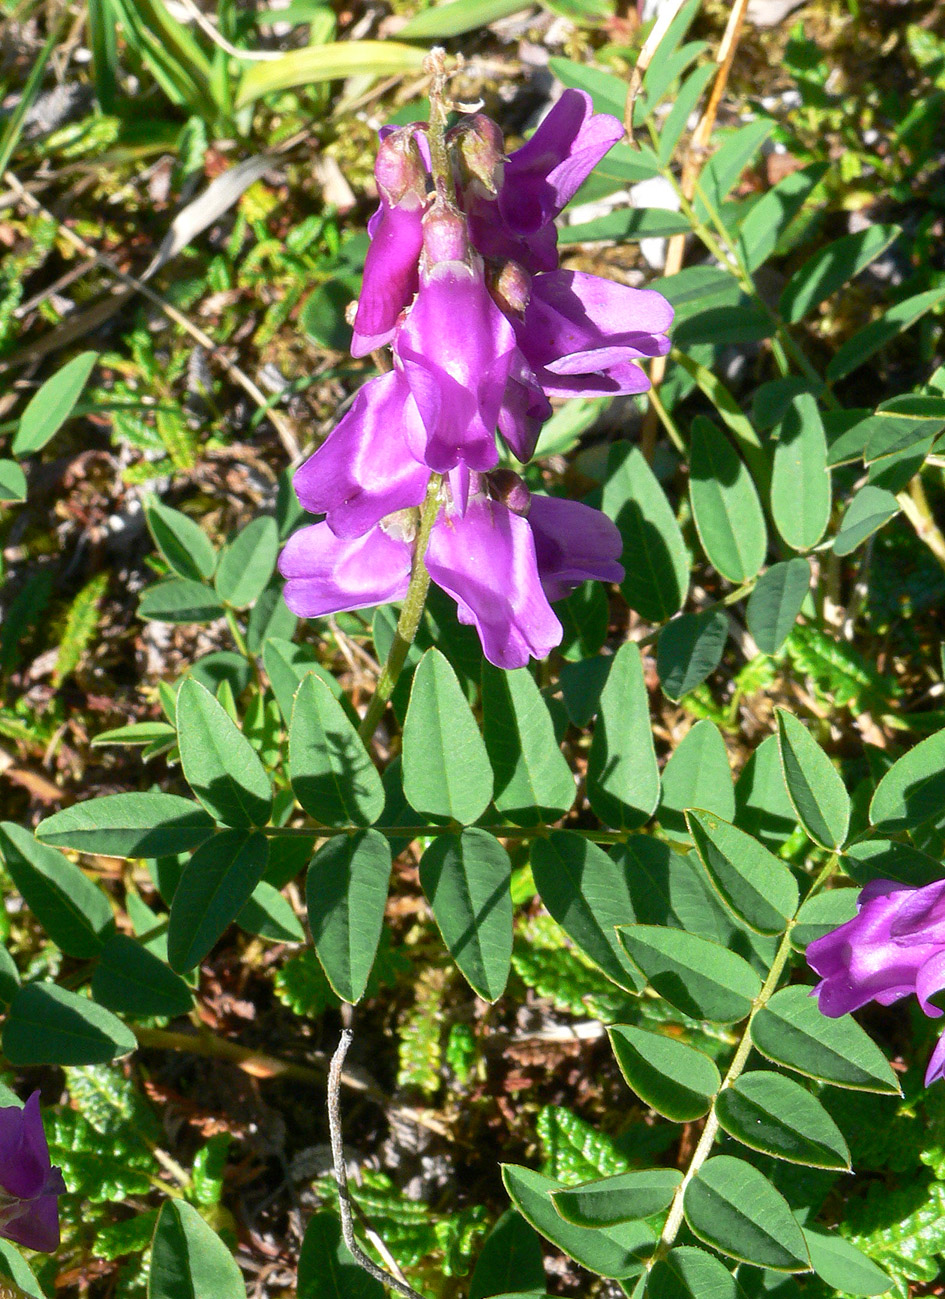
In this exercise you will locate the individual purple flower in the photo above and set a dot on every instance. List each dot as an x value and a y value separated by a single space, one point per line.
485 559
29 1185
893 946
538 181
364 470
572 544
582 334
543 176
457 351
391 268
325 573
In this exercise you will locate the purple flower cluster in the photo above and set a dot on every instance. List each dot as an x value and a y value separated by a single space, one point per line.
29 1185
893 946
483 329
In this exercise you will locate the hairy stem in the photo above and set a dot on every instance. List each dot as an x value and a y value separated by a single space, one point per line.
410 614
440 166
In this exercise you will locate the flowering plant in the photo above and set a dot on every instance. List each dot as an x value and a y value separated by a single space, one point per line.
538 846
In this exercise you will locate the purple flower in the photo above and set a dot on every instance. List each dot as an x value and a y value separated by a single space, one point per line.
457 351
500 564
29 1185
391 268
390 277
582 334
486 561
543 176
893 946
538 181
325 573
572 544
363 470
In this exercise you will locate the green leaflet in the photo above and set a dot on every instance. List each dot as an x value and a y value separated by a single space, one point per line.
446 768
752 882
189 1260
657 567
623 779
621 1198
730 1205
608 1251
220 764
790 1030
346 893
326 1268
533 782
800 479
588 893
698 977
774 1114
466 880
216 884
49 1025
74 912
697 775
814 787
725 504
330 770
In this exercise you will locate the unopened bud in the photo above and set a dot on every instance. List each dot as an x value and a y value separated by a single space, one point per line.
511 288
445 237
398 168
507 487
482 151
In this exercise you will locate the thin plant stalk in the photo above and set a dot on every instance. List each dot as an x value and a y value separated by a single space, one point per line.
410 614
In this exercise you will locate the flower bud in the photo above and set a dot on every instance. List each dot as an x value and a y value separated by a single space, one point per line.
445 237
482 151
508 488
511 289
398 168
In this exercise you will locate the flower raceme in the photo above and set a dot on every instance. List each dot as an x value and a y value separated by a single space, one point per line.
462 281
29 1185
893 946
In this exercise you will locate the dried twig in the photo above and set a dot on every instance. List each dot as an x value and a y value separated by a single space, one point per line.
206 26
692 165
667 13
341 1175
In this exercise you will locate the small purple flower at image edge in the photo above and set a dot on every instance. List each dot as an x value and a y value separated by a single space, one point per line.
29 1184
892 948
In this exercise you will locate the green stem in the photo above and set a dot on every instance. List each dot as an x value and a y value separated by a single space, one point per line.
410 614
674 1218
239 639
440 166
430 831
726 251
667 421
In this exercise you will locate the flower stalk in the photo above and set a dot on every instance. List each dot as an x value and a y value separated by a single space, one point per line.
410 614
